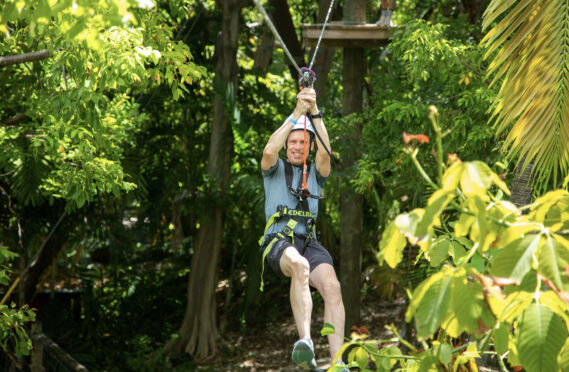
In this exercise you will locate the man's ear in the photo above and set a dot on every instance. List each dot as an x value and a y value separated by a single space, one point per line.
311 145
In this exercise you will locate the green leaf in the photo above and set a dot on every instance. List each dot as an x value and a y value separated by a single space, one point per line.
501 337
462 226
540 336
407 223
360 356
476 178
327 329
430 303
386 364
516 303
457 250
552 259
438 252
437 203
467 302
392 245
451 177
445 354
515 260
563 358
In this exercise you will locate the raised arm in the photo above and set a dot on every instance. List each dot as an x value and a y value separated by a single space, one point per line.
322 158
278 138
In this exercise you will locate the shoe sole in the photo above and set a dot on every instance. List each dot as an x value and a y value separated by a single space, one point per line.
302 356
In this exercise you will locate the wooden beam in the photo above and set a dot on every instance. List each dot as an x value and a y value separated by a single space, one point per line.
340 34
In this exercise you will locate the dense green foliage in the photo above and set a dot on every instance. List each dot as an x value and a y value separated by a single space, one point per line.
497 269
110 134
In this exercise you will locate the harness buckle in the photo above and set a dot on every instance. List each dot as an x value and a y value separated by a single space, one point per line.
287 231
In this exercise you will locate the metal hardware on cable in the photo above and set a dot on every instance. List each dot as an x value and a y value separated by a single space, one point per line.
307 78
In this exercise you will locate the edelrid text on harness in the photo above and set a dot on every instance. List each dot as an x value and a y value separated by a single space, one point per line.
300 214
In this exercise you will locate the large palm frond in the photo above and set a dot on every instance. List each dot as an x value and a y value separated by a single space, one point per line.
531 46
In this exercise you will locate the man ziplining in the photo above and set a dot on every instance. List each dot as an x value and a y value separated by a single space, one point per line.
289 244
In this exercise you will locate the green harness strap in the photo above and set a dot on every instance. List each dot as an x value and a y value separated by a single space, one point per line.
287 231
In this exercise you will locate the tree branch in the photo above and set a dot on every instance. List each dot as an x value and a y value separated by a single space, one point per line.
26 57
14 119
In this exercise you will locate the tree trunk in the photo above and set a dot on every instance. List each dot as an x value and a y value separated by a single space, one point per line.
199 331
351 203
473 9
280 15
521 192
49 250
264 53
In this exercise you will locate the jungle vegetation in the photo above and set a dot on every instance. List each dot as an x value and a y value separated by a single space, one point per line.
131 133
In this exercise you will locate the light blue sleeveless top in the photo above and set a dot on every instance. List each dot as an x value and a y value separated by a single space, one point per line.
277 193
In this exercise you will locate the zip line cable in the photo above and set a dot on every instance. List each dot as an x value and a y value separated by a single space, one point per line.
276 34
321 34
278 37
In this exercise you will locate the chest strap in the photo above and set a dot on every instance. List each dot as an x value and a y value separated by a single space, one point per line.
301 194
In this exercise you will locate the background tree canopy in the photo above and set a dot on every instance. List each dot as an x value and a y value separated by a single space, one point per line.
131 135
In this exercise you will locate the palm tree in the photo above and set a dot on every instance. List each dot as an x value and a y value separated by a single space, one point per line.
529 42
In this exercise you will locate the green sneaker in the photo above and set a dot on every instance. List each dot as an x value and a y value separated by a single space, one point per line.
303 354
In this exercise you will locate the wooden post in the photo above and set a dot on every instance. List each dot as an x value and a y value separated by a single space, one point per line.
37 349
351 203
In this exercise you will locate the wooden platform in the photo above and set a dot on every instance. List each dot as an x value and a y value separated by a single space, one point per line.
340 34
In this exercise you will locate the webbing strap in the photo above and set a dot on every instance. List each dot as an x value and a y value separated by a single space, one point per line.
289 174
278 214
287 231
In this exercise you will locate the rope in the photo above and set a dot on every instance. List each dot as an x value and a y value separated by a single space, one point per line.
321 34
304 167
274 30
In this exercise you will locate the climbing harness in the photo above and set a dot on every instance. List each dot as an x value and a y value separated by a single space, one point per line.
301 213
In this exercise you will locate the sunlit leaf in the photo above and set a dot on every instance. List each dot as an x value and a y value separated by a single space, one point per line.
439 251
528 52
437 203
327 329
476 178
540 335
552 259
391 245
515 304
515 260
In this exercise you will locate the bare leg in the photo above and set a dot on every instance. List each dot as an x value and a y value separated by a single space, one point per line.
296 267
323 278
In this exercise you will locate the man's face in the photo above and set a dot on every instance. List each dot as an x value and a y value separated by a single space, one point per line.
295 147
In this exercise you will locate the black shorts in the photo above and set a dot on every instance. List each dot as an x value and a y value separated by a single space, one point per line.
314 252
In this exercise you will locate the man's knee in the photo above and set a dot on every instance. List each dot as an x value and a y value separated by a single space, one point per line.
331 290
293 264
